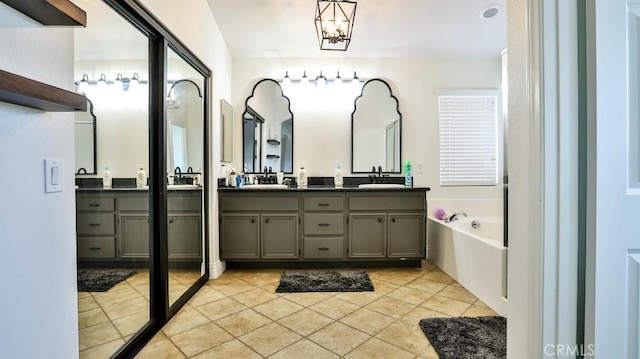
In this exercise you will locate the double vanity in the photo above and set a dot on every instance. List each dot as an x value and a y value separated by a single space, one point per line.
322 226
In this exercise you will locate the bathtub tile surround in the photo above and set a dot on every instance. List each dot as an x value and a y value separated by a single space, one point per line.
470 250
244 311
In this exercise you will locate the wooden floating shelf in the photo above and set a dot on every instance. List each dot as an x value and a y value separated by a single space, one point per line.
22 91
51 12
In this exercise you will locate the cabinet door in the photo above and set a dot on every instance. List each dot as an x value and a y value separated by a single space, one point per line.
184 237
280 236
367 235
134 236
406 235
240 236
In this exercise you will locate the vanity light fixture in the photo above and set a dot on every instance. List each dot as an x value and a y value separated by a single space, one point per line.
102 82
334 23
119 83
83 85
134 83
304 80
320 80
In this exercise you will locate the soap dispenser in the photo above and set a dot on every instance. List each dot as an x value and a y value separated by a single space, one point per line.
408 176
302 176
141 177
106 177
337 179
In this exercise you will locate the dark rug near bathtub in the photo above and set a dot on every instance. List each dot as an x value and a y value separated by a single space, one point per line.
324 281
101 280
467 337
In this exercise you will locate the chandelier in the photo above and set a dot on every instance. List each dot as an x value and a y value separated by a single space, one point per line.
334 23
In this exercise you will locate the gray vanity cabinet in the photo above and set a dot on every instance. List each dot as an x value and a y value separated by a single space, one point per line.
406 233
324 226
115 225
133 218
387 225
280 236
259 226
95 226
367 235
240 236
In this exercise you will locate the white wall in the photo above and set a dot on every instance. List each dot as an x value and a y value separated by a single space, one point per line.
38 259
322 119
198 30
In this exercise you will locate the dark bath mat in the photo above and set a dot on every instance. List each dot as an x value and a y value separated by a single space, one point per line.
324 281
467 337
101 280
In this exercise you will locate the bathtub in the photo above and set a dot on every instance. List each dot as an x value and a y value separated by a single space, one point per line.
474 257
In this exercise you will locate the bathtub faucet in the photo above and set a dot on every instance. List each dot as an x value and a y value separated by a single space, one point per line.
454 217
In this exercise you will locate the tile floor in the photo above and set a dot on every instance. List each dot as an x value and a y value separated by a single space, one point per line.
239 315
106 320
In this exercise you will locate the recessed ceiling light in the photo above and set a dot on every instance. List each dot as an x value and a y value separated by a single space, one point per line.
490 11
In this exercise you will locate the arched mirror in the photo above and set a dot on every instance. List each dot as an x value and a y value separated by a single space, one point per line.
376 125
85 132
267 137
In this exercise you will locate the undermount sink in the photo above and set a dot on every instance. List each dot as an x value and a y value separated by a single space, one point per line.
181 186
380 185
265 186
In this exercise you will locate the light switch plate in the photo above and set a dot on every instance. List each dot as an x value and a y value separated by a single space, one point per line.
419 167
52 176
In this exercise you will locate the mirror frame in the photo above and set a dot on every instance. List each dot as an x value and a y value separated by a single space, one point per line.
246 107
355 102
95 146
226 131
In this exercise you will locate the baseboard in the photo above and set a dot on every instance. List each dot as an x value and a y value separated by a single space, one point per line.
216 269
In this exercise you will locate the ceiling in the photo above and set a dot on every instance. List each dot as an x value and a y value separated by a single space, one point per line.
382 28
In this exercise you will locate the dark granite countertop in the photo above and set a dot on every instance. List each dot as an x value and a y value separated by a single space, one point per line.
132 189
323 188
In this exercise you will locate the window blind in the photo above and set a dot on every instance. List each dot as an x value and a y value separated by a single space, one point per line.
468 139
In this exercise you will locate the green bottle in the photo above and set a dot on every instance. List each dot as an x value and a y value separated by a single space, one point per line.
408 177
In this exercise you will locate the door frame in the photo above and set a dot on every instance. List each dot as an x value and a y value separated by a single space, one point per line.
545 215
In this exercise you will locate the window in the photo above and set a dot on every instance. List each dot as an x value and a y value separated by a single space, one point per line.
468 137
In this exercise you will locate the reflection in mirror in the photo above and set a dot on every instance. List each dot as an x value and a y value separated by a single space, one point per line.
376 125
267 129
185 161
85 133
226 130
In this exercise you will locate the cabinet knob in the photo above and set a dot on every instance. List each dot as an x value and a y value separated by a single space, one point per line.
393 220
379 220
252 220
170 221
266 220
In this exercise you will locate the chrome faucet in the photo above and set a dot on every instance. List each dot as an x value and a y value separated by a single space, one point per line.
178 172
454 217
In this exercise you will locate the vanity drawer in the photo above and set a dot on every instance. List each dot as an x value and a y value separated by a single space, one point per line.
323 248
323 224
95 224
184 204
387 203
133 204
277 203
95 204
96 248
324 204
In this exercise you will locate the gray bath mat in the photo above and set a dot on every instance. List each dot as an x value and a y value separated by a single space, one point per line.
467 337
324 281
101 280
